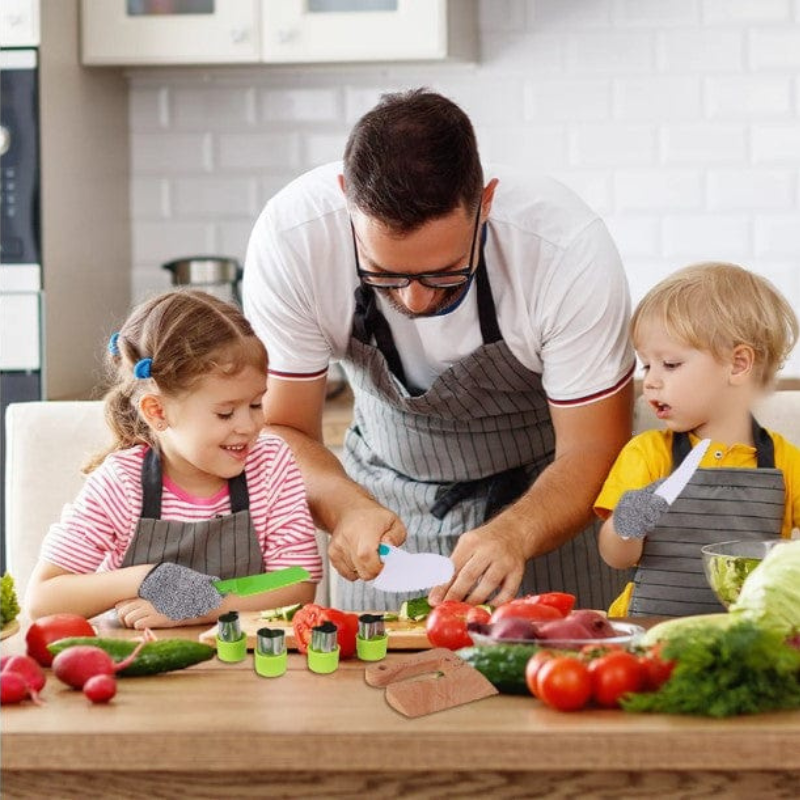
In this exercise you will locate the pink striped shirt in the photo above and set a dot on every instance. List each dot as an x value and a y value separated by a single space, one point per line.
95 531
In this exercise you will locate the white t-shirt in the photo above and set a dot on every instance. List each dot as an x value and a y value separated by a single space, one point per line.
558 284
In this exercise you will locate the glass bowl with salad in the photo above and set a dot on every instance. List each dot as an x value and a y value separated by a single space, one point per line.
727 565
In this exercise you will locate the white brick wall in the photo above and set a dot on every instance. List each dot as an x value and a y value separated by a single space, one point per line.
678 120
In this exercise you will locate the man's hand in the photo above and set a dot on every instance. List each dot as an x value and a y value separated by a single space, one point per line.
353 549
488 558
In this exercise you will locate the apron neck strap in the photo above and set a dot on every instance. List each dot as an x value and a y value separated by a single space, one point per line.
487 314
153 486
765 447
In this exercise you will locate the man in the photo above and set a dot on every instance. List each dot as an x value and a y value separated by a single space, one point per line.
483 328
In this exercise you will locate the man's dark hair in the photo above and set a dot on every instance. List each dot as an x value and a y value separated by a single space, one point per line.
411 159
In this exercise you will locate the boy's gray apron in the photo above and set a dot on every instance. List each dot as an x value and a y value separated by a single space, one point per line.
717 505
226 546
447 459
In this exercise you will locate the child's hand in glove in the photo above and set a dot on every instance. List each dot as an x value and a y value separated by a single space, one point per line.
639 511
179 592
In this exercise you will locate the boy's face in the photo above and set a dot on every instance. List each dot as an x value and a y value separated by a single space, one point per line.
689 389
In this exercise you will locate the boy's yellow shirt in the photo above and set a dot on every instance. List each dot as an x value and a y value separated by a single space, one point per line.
648 457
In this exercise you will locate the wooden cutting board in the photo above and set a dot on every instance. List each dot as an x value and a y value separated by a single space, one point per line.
403 635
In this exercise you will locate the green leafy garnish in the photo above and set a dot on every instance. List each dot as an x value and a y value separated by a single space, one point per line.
415 609
720 672
9 607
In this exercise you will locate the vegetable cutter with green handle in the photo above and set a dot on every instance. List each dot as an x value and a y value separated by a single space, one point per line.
265 582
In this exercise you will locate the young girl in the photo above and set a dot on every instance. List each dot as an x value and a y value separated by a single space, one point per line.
191 489
711 338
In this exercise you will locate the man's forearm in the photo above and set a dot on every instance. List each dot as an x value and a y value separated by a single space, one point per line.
559 503
329 490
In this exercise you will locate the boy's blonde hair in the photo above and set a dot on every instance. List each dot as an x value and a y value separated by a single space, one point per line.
717 306
188 334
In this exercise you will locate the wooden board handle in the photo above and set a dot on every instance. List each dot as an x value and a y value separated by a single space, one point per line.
436 660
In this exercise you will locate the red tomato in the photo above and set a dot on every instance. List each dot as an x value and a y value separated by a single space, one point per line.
563 682
614 675
446 625
49 629
311 615
532 668
656 669
522 609
478 614
563 601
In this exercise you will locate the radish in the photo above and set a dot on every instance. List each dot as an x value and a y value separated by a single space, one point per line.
77 664
100 688
13 688
28 668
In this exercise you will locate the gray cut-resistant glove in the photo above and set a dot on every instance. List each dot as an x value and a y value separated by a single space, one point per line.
179 592
639 511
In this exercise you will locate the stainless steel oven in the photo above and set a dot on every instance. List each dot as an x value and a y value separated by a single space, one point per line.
21 296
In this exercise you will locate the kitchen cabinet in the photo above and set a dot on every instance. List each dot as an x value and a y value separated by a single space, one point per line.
170 31
193 32
366 30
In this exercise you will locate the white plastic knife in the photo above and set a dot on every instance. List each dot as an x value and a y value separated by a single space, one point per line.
411 572
676 482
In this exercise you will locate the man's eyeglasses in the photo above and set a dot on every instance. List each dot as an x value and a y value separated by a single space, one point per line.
442 279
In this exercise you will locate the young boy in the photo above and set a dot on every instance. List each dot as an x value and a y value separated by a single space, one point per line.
711 338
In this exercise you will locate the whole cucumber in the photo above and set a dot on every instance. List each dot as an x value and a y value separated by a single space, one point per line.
503 664
163 655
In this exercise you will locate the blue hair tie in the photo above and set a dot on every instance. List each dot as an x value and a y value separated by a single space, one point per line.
143 368
113 344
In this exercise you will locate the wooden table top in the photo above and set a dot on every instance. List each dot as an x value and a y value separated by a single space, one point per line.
225 717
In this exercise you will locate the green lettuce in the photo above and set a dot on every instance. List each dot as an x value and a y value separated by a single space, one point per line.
770 594
9 607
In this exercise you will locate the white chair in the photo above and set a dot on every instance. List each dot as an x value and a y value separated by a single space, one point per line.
779 412
47 443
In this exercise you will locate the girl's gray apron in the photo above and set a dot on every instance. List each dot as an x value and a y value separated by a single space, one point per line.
447 459
226 546
717 505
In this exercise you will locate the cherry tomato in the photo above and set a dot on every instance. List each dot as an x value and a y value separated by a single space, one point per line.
446 625
562 601
563 682
532 668
614 675
522 609
51 628
311 615
657 670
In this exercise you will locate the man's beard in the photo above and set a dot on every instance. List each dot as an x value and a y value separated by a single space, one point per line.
449 297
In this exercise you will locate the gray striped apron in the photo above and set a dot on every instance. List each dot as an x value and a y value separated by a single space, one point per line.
447 459
717 505
226 546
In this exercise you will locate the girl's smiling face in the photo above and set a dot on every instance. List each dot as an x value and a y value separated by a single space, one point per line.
211 429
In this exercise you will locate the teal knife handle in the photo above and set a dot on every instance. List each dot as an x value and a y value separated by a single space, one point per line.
383 550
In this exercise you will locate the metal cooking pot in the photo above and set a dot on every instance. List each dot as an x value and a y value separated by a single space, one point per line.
206 271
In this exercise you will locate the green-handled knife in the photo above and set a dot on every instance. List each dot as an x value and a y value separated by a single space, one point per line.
265 582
